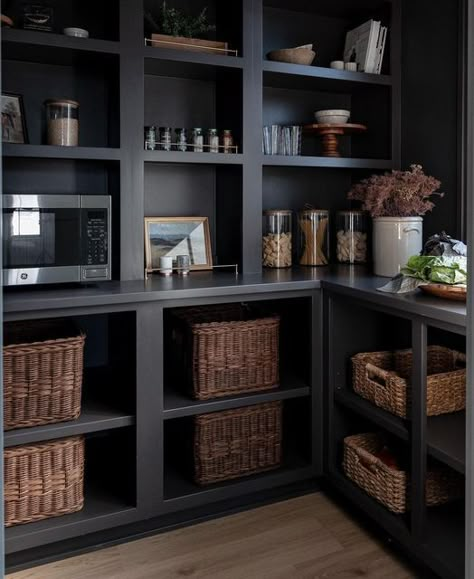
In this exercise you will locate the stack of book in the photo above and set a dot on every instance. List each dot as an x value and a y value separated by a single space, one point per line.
366 46
282 140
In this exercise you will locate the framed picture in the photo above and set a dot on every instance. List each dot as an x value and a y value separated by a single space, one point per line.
13 119
173 236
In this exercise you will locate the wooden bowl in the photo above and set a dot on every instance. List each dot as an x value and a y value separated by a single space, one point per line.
293 55
448 292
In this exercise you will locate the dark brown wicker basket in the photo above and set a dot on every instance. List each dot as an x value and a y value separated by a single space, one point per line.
237 443
43 480
42 373
389 486
384 378
226 350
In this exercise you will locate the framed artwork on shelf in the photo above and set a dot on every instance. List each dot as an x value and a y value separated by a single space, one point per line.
13 119
173 236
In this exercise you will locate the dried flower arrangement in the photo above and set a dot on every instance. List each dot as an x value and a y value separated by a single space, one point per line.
397 194
177 23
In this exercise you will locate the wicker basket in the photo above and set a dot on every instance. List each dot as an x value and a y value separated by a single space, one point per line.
42 380
384 379
43 480
225 350
389 486
237 443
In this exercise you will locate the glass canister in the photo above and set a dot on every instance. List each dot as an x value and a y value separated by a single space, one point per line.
62 122
352 233
277 242
313 226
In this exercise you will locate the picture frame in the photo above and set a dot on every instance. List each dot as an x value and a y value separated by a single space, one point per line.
14 128
173 236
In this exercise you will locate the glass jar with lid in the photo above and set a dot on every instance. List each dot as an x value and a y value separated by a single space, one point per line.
277 238
62 122
313 226
352 236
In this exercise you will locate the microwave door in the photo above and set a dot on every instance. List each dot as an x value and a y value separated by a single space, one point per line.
41 245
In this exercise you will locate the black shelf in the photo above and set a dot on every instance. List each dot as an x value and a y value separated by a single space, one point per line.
193 158
446 437
181 492
301 77
178 405
101 510
50 48
326 162
50 152
157 57
384 419
94 418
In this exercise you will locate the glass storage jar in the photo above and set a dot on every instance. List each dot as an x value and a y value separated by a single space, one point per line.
62 122
313 226
351 234
277 242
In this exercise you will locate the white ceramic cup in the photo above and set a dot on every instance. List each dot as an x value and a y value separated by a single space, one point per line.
352 66
166 265
337 64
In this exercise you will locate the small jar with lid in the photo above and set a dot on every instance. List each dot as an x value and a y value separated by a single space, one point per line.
165 138
277 238
62 122
352 236
227 141
198 140
213 140
313 226
181 139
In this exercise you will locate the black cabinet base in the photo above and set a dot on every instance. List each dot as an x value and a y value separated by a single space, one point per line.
92 542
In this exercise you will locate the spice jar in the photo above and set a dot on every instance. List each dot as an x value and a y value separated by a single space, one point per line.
62 121
277 242
198 140
181 139
165 138
313 237
150 138
213 141
227 141
351 233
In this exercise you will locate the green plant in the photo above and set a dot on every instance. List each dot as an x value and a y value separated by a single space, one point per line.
177 23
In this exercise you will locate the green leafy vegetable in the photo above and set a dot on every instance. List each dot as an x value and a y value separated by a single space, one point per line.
437 269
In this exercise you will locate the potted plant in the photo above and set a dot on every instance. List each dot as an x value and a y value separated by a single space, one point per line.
396 201
173 28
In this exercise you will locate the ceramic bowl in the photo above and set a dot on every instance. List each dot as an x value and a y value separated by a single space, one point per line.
332 117
76 32
293 55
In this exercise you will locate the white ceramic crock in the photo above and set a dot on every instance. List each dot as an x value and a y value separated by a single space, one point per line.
395 240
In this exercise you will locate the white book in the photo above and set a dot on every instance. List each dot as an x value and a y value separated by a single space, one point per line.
361 43
382 50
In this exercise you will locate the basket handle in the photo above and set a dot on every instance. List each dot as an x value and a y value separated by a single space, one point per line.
375 372
368 461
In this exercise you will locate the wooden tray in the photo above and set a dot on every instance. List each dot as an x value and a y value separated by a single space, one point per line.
448 292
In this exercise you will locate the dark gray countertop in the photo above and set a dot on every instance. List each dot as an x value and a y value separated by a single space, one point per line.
351 281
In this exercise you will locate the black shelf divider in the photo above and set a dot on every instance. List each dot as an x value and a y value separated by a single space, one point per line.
178 405
363 407
94 418
27 151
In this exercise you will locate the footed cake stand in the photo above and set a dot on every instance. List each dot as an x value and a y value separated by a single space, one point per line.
330 135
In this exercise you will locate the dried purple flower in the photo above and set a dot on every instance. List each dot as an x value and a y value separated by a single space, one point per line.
397 194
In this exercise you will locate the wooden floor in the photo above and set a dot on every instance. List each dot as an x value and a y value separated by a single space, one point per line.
304 538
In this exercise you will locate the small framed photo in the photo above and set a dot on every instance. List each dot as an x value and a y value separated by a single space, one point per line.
173 236
13 119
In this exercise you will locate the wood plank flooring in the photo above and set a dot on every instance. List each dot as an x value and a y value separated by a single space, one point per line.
304 538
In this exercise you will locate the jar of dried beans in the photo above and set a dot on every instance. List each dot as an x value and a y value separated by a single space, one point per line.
277 242
62 122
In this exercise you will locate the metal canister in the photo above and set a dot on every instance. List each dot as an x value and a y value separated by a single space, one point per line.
198 140
150 138
165 138
181 139
213 140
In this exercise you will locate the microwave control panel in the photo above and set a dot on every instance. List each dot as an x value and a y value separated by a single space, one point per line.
97 250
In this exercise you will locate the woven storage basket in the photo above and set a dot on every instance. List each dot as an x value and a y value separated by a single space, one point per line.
384 378
225 350
43 480
388 485
237 443
42 373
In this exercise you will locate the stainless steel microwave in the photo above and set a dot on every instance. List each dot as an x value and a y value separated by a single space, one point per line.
56 239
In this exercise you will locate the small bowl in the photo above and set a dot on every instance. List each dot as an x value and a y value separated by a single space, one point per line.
293 55
76 32
332 117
